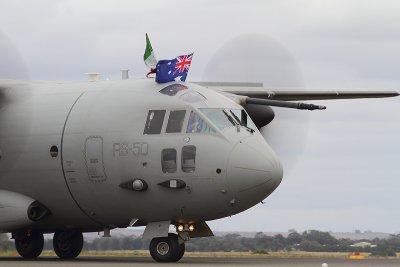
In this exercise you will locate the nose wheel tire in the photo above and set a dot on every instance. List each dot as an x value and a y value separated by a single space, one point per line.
29 246
166 249
181 252
68 244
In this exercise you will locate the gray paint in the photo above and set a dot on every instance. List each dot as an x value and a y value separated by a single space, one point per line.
81 187
13 210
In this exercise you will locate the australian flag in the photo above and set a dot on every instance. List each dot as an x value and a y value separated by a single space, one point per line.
173 70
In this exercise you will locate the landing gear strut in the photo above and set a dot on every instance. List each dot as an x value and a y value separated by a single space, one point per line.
167 249
29 245
68 244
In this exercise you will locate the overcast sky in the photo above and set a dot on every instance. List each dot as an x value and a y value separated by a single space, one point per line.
347 175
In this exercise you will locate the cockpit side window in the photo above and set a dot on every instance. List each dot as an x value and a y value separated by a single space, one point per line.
168 160
154 122
188 158
175 121
197 125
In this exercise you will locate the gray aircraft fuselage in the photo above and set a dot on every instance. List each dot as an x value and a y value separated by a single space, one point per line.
77 147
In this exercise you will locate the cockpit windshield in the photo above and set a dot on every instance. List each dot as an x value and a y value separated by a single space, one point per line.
197 125
243 118
223 118
218 117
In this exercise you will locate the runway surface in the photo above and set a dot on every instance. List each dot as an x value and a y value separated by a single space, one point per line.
192 261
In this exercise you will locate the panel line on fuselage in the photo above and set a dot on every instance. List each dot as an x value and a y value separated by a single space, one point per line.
62 159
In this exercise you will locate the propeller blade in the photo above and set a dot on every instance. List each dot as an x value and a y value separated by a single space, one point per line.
254 59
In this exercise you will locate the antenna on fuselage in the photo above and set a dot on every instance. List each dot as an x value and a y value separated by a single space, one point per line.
125 74
93 76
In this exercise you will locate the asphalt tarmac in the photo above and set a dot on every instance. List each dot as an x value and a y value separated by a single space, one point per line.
193 261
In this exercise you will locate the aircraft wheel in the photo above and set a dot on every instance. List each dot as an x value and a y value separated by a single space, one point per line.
68 244
29 246
181 252
166 249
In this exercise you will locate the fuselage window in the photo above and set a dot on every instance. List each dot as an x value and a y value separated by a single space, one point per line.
168 160
154 122
173 89
175 121
188 158
197 125
192 97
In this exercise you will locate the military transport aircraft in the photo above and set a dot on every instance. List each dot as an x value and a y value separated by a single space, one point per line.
81 157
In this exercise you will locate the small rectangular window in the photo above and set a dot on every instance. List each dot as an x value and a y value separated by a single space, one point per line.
155 119
188 158
175 121
168 160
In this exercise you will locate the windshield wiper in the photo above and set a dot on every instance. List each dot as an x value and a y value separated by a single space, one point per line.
232 120
241 123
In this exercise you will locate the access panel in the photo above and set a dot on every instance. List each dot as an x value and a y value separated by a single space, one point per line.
94 159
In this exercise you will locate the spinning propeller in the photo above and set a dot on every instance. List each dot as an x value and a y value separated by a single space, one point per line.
12 67
256 58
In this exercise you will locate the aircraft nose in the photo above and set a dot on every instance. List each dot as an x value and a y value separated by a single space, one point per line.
254 171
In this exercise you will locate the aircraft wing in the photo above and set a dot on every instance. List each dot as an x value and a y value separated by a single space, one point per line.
256 90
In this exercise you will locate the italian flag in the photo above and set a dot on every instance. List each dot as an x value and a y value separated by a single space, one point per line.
149 58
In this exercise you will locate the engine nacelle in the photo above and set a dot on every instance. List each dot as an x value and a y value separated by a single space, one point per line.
19 211
261 115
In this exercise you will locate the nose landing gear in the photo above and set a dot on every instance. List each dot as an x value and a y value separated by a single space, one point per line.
167 249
